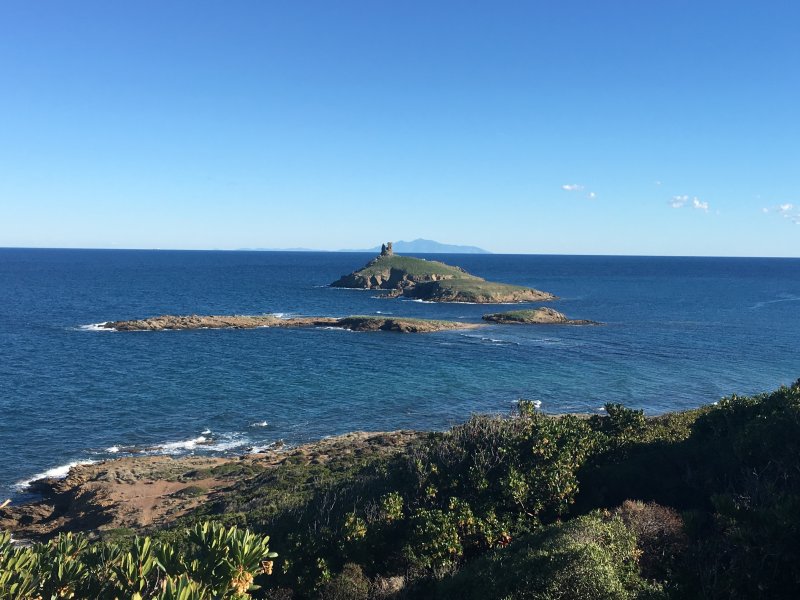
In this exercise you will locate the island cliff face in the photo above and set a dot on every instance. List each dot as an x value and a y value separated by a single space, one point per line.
433 281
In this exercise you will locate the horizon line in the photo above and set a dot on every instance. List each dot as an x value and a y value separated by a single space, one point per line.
311 251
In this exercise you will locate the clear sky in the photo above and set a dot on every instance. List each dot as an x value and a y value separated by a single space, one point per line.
595 127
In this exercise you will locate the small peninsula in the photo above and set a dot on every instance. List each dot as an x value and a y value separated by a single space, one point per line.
536 316
433 281
352 323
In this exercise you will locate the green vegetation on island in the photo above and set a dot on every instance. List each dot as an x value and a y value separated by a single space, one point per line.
433 281
536 316
697 504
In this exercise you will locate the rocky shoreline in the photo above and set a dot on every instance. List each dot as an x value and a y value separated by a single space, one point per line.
145 493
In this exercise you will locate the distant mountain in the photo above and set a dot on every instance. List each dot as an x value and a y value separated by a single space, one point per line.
421 246
280 250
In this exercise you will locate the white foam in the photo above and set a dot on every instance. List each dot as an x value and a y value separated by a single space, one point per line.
176 447
271 446
459 302
59 472
493 341
112 449
96 327
227 444
259 424
205 432
537 404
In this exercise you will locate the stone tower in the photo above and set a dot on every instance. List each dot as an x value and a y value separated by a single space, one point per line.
386 249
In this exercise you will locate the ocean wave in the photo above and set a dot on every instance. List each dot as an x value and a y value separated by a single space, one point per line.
493 341
175 447
95 327
537 404
59 472
259 424
787 298
206 442
281 315
227 443
475 303
270 446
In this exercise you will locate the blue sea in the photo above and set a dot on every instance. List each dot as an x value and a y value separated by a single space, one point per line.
680 332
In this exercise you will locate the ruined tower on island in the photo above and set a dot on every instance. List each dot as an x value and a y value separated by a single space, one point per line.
386 249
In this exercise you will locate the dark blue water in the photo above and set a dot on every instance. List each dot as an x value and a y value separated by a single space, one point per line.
680 332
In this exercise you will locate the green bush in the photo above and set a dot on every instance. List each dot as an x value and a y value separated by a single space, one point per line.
594 556
350 584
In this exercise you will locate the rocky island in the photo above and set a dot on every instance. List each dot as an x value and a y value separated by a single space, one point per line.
536 316
353 323
433 281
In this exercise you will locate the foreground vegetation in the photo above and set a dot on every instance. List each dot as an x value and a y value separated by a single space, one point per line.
698 504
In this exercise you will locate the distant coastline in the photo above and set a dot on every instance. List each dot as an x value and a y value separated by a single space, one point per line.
420 246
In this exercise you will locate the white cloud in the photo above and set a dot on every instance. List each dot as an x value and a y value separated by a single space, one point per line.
591 195
678 201
786 210
572 187
686 200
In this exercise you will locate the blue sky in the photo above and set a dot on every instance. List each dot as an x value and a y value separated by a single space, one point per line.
532 127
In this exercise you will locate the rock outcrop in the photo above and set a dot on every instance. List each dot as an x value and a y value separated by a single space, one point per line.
536 316
354 323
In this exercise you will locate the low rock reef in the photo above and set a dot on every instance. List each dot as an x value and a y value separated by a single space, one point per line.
353 323
536 316
433 281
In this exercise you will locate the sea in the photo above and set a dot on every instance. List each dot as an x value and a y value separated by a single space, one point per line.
678 333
